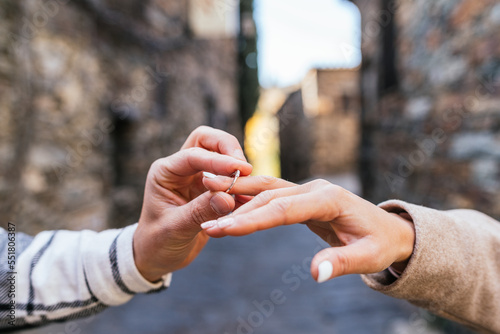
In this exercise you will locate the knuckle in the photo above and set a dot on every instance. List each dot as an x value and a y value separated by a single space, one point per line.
317 184
198 214
232 138
344 263
322 183
265 196
201 129
192 151
334 190
156 164
267 180
281 205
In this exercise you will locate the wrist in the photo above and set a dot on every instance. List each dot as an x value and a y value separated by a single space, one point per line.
140 259
406 240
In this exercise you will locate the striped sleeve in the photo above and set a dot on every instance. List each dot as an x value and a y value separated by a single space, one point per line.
65 275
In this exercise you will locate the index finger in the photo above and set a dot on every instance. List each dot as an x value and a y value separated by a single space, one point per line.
288 210
215 140
246 185
194 160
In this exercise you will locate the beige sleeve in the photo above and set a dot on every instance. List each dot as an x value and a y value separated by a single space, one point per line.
454 270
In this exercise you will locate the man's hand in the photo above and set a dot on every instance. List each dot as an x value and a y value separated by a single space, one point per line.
365 238
176 203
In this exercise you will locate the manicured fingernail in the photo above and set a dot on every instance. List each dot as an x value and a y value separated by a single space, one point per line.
208 224
239 153
209 175
225 222
325 270
220 205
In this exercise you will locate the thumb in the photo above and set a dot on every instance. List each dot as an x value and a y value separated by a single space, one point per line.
207 206
337 261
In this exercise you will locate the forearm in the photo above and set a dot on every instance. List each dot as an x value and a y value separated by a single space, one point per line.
63 275
454 270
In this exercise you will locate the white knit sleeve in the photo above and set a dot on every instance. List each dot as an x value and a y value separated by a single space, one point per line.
64 275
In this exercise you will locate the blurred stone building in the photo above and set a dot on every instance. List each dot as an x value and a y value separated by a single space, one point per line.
93 91
331 100
431 102
319 125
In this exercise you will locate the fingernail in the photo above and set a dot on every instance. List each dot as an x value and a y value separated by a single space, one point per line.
225 222
220 205
325 270
209 175
208 224
239 153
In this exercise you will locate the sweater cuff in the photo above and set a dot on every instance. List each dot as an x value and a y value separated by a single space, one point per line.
386 279
110 268
453 270
421 270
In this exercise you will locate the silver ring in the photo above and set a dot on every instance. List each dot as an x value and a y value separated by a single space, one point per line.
236 175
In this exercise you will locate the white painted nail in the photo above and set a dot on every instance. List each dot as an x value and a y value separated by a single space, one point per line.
208 224
209 175
325 270
225 222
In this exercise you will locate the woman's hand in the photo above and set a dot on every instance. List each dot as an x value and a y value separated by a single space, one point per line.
169 236
365 238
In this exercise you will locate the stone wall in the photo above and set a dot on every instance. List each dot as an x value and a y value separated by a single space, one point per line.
90 96
319 125
333 108
431 102
295 139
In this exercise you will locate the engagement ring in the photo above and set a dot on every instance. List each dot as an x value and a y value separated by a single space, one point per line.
236 175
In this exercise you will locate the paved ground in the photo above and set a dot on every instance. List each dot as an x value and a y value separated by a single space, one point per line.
223 290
